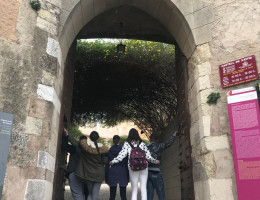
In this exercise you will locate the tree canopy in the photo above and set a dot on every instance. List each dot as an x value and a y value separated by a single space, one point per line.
138 85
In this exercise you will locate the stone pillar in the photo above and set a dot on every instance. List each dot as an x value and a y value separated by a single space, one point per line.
213 168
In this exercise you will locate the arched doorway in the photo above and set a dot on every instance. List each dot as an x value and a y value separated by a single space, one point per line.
158 21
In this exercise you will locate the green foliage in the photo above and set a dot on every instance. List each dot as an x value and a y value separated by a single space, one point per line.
213 98
75 132
35 4
138 85
101 140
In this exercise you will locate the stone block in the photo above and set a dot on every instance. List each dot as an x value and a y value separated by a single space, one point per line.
77 18
63 46
203 16
203 83
53 47
224 163
199 172
204 126
39 108
49 176
46 161
214 143
205 109
220 189
69 31
37 143
185 6
38 189
202 34
45 92
202 96
48 16
193 131
197 5
174 24
14 184
189 46
47 78
33 126
202 190
87 10
203 69
164 14
8 24
47 26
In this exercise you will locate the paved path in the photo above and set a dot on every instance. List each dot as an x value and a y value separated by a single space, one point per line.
103 194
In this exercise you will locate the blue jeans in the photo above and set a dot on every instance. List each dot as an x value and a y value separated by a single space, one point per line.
155 181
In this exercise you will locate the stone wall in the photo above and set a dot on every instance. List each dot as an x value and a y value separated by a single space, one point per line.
30 88
33 53
235 34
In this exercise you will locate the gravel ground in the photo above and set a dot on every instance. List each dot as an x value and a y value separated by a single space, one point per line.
103 194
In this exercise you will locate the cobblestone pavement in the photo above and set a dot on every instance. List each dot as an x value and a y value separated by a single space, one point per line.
103 194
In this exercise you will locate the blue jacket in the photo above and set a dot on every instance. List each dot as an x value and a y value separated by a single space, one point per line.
118 173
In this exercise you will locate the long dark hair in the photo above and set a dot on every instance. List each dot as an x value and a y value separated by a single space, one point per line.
94 137
133 136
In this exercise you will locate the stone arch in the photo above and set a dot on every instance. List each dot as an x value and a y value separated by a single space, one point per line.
189 25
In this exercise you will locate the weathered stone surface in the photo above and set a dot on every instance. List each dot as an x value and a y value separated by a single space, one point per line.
47 79
21 157
220 189
53 47
38 189
13 189
48 16
47 26
33 126
216 142
46 161
224 163
203 16
40 108
9 12
45 92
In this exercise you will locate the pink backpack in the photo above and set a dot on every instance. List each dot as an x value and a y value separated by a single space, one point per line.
137 158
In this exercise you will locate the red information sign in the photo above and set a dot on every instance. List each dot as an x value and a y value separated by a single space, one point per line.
238 71
244 120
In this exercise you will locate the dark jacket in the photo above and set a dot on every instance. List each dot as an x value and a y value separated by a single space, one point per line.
118 173
91 165
156 149
74 151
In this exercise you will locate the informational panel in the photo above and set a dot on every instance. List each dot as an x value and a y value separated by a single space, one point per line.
6 123
238 71
244 119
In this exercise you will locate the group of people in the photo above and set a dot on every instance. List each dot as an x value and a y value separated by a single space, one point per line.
91 163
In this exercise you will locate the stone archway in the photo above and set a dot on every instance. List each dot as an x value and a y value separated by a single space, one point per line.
178 20
42 45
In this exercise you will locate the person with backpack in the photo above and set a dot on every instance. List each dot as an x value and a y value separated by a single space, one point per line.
118 174
91 165
138 154
155 179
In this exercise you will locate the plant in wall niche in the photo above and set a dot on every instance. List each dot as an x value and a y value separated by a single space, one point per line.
213 98
35 4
